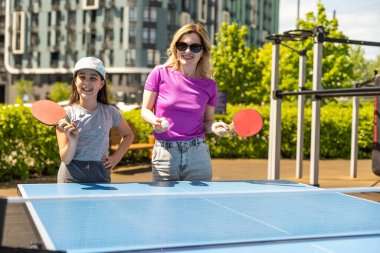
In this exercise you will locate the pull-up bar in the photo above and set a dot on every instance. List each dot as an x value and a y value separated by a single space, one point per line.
318 92
342 92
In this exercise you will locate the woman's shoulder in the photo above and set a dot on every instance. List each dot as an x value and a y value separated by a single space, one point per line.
161 69
208 81
160 72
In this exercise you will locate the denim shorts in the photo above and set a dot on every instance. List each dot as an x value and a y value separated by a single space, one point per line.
83 172
181 161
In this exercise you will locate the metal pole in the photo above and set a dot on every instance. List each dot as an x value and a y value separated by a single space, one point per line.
298 14
316 109
275 119
300 120
354 137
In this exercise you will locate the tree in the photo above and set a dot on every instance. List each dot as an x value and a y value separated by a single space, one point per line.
337 67
60 91
235 68
24 90
361 70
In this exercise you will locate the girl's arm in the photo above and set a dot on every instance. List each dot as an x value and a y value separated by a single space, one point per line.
67 142
126 141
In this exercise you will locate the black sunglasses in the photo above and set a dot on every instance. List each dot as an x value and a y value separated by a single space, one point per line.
182 46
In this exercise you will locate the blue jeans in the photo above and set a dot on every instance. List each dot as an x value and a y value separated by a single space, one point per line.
181 161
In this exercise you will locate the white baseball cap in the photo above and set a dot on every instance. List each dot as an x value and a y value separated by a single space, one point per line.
90 63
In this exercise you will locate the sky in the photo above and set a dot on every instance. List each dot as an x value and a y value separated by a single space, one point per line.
358 19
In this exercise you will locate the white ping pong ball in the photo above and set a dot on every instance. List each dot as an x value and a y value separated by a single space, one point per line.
165 123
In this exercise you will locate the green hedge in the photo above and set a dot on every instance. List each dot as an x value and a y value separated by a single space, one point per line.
30 148
335 135
27 148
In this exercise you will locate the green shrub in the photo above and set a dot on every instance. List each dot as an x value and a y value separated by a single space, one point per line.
335 135
27 147
30 148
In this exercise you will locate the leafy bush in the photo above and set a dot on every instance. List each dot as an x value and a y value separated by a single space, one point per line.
30 148
27 147
335 135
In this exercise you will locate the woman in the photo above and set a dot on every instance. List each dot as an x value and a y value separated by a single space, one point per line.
83 144
179 101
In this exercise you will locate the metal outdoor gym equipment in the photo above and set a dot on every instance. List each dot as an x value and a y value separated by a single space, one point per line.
319 35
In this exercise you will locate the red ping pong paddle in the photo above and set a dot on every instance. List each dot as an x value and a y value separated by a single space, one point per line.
49 113
246 123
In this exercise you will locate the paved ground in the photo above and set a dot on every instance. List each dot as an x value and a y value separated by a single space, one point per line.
332 173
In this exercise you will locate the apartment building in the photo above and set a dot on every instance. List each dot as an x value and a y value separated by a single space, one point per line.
40 40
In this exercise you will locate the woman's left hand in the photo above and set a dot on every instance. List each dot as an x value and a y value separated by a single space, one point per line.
220 128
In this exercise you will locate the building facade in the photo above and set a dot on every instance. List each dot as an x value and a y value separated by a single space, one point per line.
40 40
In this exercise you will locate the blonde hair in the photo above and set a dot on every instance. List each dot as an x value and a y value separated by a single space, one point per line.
203 68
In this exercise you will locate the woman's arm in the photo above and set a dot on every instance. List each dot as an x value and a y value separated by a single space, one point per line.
149 99
218 128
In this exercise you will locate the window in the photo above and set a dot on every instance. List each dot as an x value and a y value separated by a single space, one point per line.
153 57
150 14
253 13
132 13
54 59
202 11
34 20
18 33
226 16
184 18
145 37
130 57
150 56
149 35
71 17
90 4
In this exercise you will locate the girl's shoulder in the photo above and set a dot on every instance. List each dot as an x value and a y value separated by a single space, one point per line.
107 107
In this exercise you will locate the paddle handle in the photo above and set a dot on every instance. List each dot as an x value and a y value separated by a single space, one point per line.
75 131
231 128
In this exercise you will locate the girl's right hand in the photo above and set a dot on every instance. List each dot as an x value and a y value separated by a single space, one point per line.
68 128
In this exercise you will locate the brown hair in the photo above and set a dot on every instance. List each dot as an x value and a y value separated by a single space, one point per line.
203 68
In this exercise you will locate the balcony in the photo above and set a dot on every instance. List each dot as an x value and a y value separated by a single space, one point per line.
70 6
108 24
55 5
34 8
108 4
71 26
53 48
108 44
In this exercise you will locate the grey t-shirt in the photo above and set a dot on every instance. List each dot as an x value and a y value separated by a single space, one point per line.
94 128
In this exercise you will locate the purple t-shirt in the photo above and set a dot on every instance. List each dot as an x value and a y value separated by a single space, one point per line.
182 101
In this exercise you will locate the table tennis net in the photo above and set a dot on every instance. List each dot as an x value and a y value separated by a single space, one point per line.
146 222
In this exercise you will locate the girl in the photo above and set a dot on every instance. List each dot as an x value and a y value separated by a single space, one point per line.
83 144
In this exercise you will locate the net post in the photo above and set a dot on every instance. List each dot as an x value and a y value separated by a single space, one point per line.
3 209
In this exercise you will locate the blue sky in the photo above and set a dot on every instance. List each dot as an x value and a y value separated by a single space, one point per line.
358 19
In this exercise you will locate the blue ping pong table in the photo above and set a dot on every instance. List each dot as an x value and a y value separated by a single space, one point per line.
233 216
